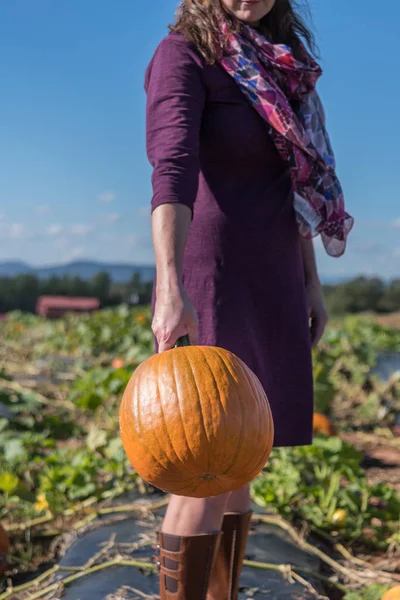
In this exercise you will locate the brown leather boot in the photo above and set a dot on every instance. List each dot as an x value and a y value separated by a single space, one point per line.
185 565
224 582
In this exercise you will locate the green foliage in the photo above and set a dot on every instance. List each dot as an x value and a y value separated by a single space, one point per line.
35 461
74 475
118 331
343 363
90 390
372 592
324 389
313 482
56 454
8 482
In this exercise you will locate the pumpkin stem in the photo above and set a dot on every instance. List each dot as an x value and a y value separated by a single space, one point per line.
182 341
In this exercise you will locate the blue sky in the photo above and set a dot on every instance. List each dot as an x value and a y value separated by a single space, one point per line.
74 177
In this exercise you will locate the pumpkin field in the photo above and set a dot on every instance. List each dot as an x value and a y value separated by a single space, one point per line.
62 463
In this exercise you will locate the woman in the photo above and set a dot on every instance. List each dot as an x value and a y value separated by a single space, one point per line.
243 179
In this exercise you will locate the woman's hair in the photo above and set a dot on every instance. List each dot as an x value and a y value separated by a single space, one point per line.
198 21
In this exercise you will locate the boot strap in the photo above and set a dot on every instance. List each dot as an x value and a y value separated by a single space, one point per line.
173 573
170 554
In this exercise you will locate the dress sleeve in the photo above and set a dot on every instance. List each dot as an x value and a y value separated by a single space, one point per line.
175 101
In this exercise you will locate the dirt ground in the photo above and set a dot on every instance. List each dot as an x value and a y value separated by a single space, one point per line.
391 320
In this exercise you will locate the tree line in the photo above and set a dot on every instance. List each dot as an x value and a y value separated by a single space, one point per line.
363 294
22 291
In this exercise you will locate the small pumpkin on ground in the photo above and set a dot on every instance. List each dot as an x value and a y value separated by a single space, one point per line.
339 517
142 319
392 594
4 547
195 421
118 363
322 424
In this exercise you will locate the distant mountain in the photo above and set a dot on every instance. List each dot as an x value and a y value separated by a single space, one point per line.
119 273
15 267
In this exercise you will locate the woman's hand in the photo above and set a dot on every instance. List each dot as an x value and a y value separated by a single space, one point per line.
316 311
174 317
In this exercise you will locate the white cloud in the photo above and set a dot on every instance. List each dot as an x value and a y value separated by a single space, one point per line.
109 217
43 209
18 231
133 240
142 242
113 217
107 197
107 236
75 253
54 230
60 242
396 223
80 229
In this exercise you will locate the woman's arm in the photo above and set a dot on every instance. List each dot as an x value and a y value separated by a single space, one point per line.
174 314
316 306
175 102
170 224
309 262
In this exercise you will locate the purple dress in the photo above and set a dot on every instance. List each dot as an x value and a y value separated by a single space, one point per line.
243 268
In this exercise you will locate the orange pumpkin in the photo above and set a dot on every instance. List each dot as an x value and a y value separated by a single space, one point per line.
392 594
142 319
195 421
118 363
4 547
321 424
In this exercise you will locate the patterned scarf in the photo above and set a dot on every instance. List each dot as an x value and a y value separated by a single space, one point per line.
274 82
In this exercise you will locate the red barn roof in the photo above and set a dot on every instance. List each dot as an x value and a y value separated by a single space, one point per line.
65 303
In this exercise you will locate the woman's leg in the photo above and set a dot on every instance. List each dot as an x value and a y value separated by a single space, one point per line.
239 501
191 516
